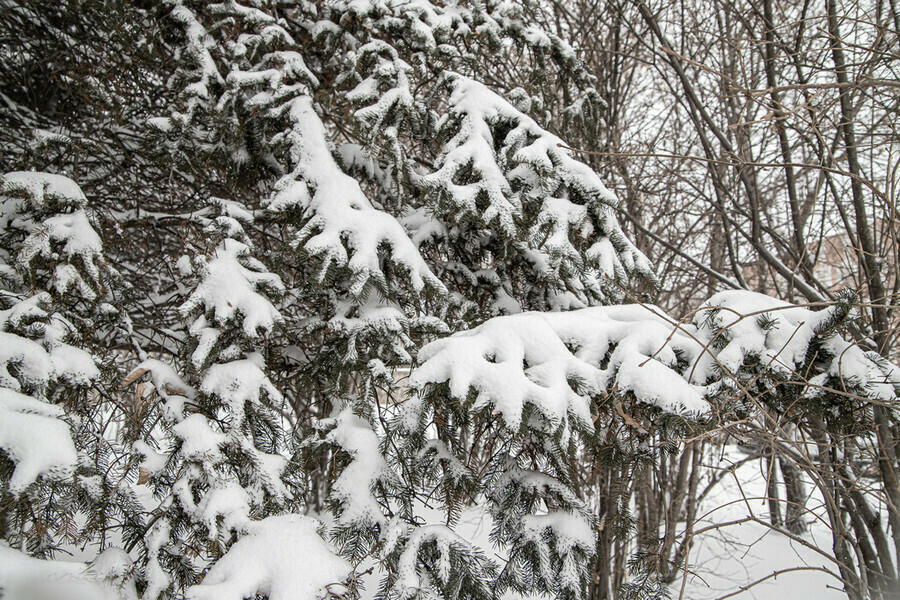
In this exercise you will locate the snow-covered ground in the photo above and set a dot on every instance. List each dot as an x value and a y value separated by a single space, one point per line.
726 559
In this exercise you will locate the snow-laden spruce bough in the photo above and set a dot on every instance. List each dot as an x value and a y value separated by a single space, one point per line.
390 210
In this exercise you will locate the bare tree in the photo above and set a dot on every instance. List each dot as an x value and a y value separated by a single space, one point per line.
757 142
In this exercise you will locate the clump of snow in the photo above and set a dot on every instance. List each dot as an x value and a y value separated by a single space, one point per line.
73 365
229 288
342 227
572 534
411 580
157 578
163 377
281 557
227 500
513 166
354 486
43 191
35 438
153 462
750 326
554 361
200 442
782 345
239 381
46 357
72 238
51 214
33 365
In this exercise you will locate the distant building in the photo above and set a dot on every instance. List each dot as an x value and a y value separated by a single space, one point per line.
835 266
835 262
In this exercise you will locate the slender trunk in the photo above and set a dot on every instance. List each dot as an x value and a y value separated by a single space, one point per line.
795 494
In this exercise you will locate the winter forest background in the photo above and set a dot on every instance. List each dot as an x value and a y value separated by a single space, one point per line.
400 299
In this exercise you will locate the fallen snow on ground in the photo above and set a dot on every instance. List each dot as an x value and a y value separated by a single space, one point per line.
724 560
107 577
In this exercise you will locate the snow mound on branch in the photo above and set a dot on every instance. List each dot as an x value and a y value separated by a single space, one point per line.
570 532
553 362
72 238
199 440
240 381
780 345
46 358
66 240
40 189
35 438
353 488
230 288
74 365
281 557
449 552
343 229
529 165
34 368
778 334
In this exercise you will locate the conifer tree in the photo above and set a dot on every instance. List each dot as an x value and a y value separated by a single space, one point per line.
61 477
451 202
222 464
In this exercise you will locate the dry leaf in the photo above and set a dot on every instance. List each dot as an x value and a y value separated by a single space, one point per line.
139 395
627 418
132 377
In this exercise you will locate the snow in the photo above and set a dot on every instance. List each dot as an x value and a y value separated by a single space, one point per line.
230 289
354 486
75 233
34 368
388 88
153 461
572 203
66 238
501 171
206 73
107 577
35 438
722 560
234 383
239 381
782 345
73 365
43 190
571 532
337 210
533 358
410 579
227 500
164 378
157 578
376 317
533 482
281 557
200 442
